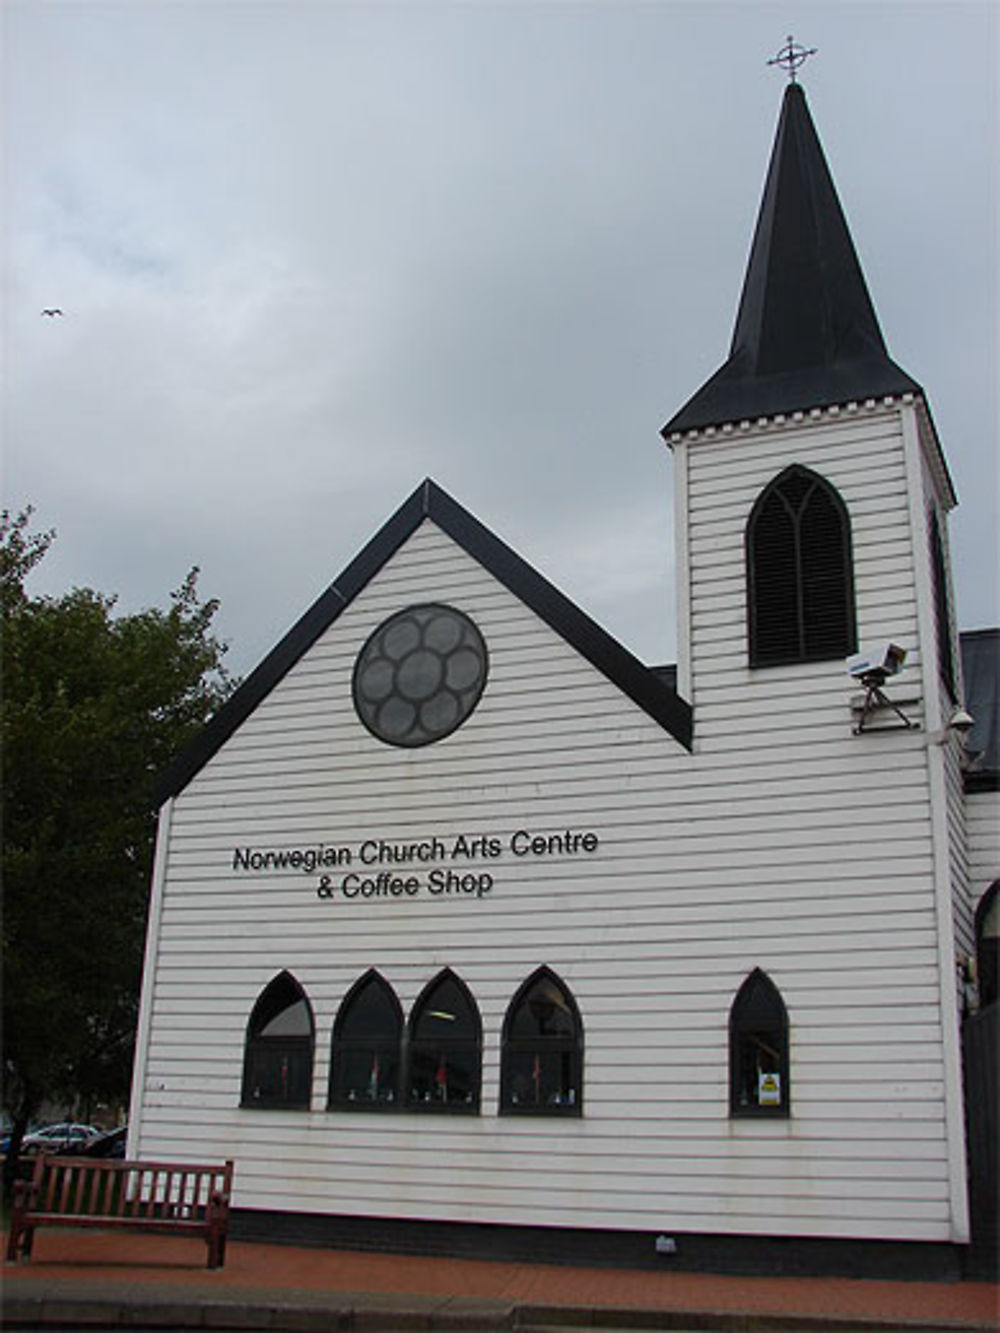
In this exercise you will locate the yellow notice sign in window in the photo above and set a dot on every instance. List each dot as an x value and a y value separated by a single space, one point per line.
769 1089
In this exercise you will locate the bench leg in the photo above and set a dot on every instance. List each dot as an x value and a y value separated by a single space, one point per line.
216 1249
19 1241
218 1223
12 1239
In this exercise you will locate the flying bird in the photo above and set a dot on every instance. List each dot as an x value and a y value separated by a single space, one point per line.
54 310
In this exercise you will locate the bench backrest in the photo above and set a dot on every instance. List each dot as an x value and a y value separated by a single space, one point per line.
74 1185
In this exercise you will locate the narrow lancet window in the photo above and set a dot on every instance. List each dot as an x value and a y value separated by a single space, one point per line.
758 1050
541 1063
445 1048
278 1056
942 610
367 1042
800 585
987 923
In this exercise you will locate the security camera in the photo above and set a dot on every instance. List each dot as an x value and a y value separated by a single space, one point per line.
961 721
876 663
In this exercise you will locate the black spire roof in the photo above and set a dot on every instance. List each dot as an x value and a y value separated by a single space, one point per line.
806 332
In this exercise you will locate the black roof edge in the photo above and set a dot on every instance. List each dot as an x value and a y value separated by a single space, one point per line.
722 400
630 675
604 652
824 403
283 656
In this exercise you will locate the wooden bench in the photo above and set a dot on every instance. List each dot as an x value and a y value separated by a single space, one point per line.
150 1196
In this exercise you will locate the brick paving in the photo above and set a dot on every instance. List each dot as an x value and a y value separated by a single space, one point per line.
106 1279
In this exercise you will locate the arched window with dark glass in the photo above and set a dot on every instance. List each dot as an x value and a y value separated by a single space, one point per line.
942 610
800 582
278 1057
367 1040
541 1057
445 1048
758 1050
987 944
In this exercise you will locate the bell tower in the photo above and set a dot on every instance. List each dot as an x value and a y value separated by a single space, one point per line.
809 473
811 519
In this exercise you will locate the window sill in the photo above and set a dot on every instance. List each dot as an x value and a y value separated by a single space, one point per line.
428 1108
275 1106
372 1108
543 1112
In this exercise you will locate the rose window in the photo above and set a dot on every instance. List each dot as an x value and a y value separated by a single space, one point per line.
420 675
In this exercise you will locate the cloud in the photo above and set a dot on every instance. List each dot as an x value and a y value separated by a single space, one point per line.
311 254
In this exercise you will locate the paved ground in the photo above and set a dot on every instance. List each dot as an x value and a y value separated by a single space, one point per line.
104 1280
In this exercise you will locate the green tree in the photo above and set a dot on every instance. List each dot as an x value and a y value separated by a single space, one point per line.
94 706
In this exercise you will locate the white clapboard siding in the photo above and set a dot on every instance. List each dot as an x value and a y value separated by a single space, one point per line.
762 848
793 725
951 824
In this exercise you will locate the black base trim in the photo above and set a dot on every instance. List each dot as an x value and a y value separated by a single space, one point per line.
773 1256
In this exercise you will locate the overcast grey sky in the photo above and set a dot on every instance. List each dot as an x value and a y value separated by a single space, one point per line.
312 252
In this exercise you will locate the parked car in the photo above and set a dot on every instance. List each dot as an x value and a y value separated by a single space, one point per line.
111 1144
58 1138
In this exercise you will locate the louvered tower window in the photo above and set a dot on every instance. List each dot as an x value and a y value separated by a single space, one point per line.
800 586
942 610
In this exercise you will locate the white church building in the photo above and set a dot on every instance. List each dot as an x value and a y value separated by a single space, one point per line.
470 931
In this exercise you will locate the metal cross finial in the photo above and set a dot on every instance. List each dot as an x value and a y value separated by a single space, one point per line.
791 56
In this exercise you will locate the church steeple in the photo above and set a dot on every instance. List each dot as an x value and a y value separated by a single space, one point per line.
806 332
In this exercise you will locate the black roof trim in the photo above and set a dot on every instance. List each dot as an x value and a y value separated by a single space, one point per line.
806 331
613 660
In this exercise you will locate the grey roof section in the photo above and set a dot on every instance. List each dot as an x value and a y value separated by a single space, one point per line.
806 332
981 675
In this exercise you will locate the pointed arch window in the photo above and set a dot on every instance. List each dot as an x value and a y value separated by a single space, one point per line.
278 1055
541 1057
758 1050
800 583
942 609
987 925
445 1048
367 1042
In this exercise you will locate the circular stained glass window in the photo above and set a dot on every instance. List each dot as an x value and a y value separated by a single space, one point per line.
420 675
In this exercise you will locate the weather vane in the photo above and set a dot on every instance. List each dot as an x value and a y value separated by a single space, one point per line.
791 56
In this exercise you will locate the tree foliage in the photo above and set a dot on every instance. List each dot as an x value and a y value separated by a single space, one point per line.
94 706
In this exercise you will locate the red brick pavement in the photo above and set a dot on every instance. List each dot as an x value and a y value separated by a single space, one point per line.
85 1262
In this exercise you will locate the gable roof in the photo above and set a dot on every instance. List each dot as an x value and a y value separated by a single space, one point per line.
605 653
806 332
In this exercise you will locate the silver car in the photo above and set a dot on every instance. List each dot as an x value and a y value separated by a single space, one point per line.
56 1138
